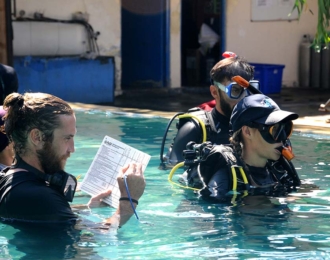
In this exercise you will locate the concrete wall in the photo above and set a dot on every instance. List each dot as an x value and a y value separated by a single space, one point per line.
104 16
275 42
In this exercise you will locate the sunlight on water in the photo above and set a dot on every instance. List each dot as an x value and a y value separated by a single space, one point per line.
174 222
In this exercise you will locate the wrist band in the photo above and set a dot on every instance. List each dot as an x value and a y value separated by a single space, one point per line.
133 200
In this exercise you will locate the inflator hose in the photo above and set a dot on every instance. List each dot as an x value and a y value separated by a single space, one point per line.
170 176
165 135
180 115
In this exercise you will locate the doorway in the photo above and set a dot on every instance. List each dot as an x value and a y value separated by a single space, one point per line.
200 20
145 43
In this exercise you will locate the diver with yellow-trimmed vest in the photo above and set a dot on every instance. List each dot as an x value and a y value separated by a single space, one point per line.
213 115
258 160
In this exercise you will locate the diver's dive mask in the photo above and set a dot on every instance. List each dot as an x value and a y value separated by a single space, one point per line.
64 181
279 132
235 90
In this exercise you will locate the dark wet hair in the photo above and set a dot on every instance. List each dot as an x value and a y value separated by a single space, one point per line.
30 111
230 67
236 140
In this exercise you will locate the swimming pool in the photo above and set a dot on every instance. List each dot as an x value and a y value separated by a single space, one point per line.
174 223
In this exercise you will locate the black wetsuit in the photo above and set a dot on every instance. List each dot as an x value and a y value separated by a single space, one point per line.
25 197
8 81
191 131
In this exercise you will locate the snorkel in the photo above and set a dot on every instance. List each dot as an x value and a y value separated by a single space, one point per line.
286 148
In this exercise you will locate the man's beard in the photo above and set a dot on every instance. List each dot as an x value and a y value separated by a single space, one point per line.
49 160
225 107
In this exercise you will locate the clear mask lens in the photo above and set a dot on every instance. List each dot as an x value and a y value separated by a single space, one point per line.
281 131
235 90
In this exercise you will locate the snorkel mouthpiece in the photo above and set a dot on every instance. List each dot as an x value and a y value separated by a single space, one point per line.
287 150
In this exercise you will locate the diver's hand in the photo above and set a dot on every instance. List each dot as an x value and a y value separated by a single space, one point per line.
136 184
135 181
96 201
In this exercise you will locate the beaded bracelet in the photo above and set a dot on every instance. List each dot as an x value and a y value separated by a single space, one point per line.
133 200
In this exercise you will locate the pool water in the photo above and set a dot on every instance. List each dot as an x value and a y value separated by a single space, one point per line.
174 223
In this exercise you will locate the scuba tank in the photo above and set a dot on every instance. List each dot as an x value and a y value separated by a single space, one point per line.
304 61
180 115
325 67
315 68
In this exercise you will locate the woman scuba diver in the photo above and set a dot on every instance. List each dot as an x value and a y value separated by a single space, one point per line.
258 160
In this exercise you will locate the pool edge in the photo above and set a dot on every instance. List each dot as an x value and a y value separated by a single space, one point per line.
315 124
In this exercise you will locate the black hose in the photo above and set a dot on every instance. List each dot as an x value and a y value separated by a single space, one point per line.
165 135
254 90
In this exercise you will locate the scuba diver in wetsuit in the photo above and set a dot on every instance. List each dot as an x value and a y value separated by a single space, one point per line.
258 160
216 121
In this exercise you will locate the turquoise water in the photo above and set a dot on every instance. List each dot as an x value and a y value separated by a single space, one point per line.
174 223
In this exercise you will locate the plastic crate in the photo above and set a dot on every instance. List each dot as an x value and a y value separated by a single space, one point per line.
71 78
269 76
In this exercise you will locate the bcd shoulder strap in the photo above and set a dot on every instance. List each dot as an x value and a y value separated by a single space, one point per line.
8 182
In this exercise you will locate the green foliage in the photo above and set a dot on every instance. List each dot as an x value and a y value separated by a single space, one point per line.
322 35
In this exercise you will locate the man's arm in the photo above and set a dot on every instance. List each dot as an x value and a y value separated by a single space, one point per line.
121 216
